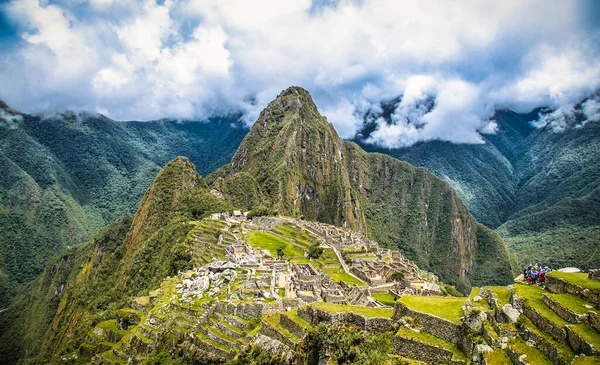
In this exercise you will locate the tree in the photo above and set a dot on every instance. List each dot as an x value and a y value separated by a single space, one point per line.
397 276
280 251
315 251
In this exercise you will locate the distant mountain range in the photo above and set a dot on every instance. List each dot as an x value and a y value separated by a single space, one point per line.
538 187
71 174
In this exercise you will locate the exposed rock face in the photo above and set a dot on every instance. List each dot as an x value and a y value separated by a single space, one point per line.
307 170
511 314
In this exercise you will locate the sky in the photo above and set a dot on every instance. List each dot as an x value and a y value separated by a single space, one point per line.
190 59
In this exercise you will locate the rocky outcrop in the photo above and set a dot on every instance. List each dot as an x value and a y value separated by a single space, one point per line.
594 320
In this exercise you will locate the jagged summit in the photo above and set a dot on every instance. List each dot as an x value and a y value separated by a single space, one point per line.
308 171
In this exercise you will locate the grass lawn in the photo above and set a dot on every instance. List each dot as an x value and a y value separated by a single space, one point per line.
588 333
293 315
587 360
340 275
534 356
367 312
449 308
273 321
432 340
563 349
270 242
573 302
501 293
498 357
578 278
533 294
384 298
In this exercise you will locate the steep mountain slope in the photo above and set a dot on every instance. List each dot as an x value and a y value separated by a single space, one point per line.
538 186
65 177
88 283
308 170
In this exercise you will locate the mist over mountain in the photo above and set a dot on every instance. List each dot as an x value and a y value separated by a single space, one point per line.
533 178
64 177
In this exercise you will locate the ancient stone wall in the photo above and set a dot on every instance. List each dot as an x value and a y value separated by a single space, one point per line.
594 275
315 316
545 325
421 351
435 325
273 333
594 320
544 346
292 326
580 345
515 357
562 311
560 286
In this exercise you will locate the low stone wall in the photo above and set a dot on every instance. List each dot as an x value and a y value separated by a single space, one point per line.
515 357
517 302
251 309
315 316
437 326
421 351
560 286
594 275
292 326
273 333
544 346
562 311
594 320
545 325
579 345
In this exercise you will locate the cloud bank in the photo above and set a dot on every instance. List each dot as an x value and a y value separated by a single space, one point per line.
190 59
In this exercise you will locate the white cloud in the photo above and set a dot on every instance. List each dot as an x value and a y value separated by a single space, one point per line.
188 59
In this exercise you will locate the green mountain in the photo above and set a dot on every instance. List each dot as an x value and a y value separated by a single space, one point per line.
65 177
308 171
81 291
536 186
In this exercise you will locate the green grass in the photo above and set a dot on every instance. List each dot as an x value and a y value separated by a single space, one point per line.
502 294
564 350
587 360
270 242
573 302
340 275
580 279
587 333
273 321
367 312
449 308
498 357
293 315
533 294
432 340
534 356
384 298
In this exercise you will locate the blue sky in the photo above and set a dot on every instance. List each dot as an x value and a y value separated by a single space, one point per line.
190 59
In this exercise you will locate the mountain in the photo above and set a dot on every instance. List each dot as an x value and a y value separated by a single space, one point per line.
536 185
308 171
82 290
88 283
66 176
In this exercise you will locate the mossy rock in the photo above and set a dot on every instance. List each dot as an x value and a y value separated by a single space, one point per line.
127 317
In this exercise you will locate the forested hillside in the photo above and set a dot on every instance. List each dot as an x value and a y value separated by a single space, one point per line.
65 177
537 186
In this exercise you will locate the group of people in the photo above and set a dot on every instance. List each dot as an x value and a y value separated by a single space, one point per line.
536 274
